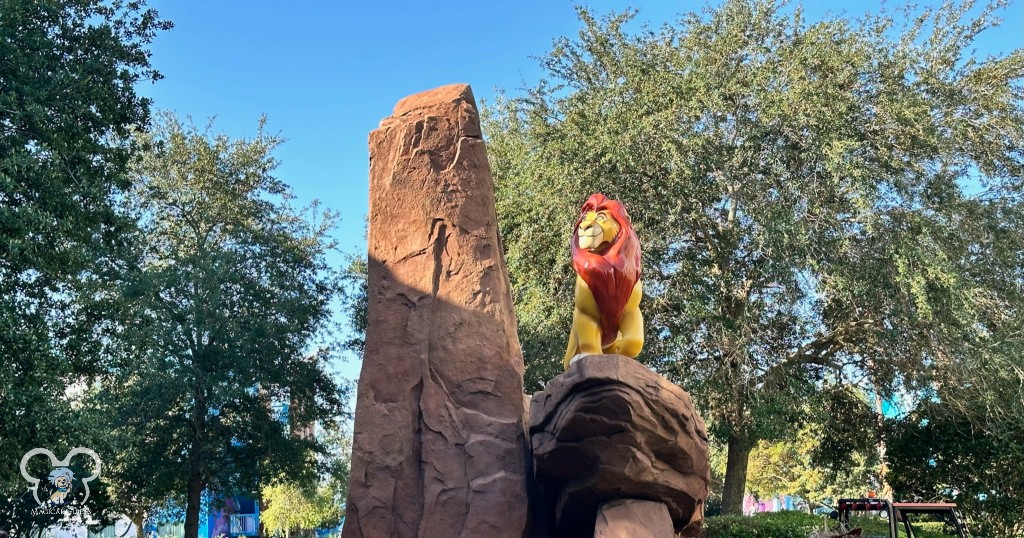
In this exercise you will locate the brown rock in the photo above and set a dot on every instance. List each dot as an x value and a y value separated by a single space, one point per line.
439 445
633 518
609 428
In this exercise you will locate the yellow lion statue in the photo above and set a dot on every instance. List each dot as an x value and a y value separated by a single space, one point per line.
606 258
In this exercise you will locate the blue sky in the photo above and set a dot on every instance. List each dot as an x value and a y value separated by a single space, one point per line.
326 72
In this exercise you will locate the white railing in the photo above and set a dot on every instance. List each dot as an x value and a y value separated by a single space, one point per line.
243 524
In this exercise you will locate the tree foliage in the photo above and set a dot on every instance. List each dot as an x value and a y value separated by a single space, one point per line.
225 322
937 456
795 467
831 453
291 507
68 71
819 203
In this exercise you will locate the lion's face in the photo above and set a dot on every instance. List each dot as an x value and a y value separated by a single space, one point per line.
62 482
597 230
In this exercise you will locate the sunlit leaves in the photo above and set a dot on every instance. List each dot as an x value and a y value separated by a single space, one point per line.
818 202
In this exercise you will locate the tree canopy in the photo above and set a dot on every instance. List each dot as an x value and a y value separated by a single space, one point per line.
291 507
68 71
221 327
817 464
820 204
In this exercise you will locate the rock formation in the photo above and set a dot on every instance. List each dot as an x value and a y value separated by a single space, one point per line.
439 442
610 429
633 518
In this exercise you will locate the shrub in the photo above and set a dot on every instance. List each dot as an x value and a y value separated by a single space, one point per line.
788 524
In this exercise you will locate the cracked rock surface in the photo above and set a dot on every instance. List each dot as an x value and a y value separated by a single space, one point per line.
610 429
439 446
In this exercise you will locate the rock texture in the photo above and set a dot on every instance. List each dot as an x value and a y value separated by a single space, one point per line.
633 518
439 443
609 428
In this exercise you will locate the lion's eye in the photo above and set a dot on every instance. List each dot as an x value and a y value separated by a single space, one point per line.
600 217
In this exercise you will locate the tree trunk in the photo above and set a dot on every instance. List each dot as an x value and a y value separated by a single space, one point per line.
139 520
192 504
735 475
196 478
261 529
883 467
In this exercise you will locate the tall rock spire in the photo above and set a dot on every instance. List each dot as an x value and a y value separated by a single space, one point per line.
439 445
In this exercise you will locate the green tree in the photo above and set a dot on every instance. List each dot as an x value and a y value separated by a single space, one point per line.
290 507
817 202
226 320
354 303
67 76
336 462
126 486
68 71
940 453
964 442
832 454
795 467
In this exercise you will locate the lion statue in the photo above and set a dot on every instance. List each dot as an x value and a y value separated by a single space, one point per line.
606 258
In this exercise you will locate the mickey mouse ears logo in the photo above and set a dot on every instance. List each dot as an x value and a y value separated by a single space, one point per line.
54 462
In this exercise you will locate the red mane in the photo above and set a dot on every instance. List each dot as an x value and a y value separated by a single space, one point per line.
612 272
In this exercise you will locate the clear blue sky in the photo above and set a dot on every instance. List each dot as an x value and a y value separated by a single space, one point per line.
326 72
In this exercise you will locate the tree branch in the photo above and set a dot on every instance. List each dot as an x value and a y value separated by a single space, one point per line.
818 351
